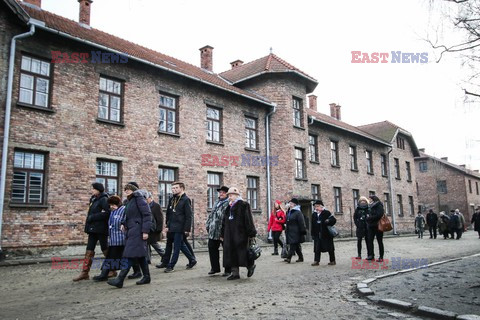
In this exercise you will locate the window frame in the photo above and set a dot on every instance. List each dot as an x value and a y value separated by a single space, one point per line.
384 165
369 159
400 143
303 164
408 168
314 146
470 189
411 205
166 109
111 95
386 203
397 168
356 197
220 125
334 153
297 106
253 191
247 135
352 151
423 166
107 177
476 187
315 196
212 192
30 73
337 200
442 186
164 182
400 205
28 172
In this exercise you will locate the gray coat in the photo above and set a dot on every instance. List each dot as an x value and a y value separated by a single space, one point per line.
138 220
215 219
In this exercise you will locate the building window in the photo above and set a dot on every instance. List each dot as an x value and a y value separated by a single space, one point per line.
313 148
337 193
315 191
28 185
356 197
110 100
411 206
400 143
107 174
352 150
297 112
214 124
251 133
423 166
168 108
386 203
442 186
334 160
371 193
397 168
166 176
252 192
400 205
299 164
384 165
213 183
476 186
34 82
409 171
470 186
368 156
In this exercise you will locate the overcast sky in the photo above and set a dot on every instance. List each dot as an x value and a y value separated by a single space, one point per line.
318 37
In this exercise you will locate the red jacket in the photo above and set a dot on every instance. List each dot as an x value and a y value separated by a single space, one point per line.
277 219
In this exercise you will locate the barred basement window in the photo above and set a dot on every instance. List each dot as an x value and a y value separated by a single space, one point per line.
166 176
252 192
110 100
28 185
107 174
34 82
214 181
168 108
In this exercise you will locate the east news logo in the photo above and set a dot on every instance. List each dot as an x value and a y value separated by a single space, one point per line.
383 57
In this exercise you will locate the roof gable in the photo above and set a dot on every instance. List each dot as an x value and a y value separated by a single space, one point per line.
449 164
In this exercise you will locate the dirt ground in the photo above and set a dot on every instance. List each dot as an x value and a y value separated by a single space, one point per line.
276 291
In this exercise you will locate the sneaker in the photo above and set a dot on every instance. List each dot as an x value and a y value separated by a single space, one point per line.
168 270
192 264
212 272
358 258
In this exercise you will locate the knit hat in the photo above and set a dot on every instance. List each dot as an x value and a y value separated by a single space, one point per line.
135 184
278 202
98 186
131 186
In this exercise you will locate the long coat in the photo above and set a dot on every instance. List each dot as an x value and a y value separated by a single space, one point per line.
323 240
432 219
157 214
360 219
376 213
295 228
476 221
443 223
237 227
98 214
179 214
138 220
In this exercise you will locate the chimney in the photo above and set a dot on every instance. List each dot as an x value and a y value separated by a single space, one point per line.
206 58
236 63
335 111
422 150
476 171
338 112
312 102
444 158
37 3
84 16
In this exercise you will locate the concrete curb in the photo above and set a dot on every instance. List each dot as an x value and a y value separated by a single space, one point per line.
364 290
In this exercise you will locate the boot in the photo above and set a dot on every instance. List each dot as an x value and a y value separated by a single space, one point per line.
118 281
136 272
275 252
112 273
89 254
300 255
103 276
146 273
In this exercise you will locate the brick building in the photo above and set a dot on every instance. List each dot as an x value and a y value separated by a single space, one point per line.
86 106
444 186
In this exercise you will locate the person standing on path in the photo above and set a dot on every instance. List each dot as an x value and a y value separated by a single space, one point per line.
323 240
214 229
360 219
295 230
419 224
476 221
376 212
460 223
276 224
432 220
155 235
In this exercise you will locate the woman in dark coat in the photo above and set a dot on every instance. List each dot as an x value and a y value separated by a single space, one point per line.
137 224
295 230
476 221
360 219
237 229
155 235
376 213
443 222
323 240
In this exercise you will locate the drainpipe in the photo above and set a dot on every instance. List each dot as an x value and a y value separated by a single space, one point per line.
267 150
6 131
390 188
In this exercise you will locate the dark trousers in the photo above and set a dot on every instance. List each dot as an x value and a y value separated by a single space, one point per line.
214 253
318 252
189 246
373 232
445 234
359 245
179 245
295 247
157 247
114 256
276 239
459 232
93 238
433 232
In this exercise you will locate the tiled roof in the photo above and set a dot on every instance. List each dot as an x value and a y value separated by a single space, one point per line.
73 28
267 64
343 125
385 130
451 165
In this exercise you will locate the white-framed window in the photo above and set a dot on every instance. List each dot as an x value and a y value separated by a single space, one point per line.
110 100
28 185
107 174
34 82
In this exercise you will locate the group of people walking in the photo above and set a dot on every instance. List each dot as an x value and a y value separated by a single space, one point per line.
448 224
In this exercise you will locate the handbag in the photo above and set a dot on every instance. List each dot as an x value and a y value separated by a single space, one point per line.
332 230
254 251
384 224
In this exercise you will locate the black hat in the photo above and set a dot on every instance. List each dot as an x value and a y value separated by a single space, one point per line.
98 186
294 200
320 202
223 188
134 183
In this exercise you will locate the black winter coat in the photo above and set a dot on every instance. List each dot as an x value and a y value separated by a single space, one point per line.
376 213
138 220
432 219
476 221
179 215
360 219
295 227
157 214
98 214
237 227
323 241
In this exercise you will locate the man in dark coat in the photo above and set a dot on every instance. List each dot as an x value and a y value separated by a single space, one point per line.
323 240
295 230
360 219
376 212
96 226
137 224
237 230
179 222
155 235
476 221
432 220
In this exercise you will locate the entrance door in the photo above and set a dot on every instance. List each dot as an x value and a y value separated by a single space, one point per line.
306 207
